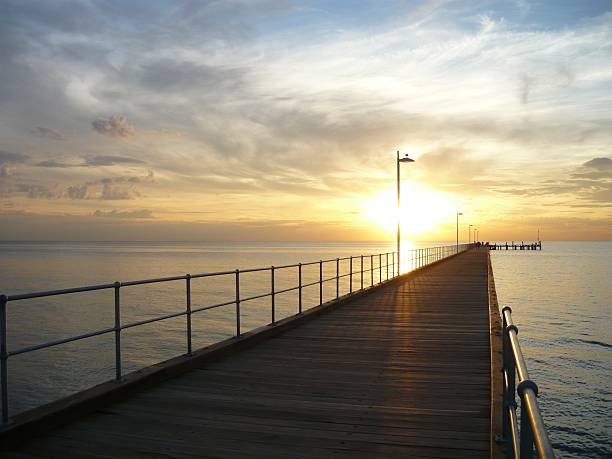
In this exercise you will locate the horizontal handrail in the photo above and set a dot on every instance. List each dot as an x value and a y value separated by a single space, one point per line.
532 430
376 272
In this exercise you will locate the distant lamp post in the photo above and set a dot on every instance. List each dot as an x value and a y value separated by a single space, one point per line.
470 234
405 159
475 235
458 213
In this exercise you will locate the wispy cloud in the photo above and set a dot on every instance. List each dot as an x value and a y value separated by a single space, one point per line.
110 160
48 133
142 213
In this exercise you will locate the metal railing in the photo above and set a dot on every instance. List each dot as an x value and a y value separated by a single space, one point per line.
532 430
379 273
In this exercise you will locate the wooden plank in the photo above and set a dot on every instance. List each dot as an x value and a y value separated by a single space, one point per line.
402 372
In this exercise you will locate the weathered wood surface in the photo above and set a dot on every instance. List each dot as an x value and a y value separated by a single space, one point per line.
403 372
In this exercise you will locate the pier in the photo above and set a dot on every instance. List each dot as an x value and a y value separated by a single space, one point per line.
514 246
414 365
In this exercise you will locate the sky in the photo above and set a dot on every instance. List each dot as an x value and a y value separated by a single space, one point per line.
280 120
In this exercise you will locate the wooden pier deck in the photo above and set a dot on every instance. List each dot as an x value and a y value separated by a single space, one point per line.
401 372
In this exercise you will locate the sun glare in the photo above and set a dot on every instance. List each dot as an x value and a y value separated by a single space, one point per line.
421 212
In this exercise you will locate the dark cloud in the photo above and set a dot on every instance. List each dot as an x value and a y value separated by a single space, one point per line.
8 157
599 164
77 191
100 190
106 189
48 133
38 191
115 126
129 179
91 162
54 164
595 169
115 193
143 213
110 161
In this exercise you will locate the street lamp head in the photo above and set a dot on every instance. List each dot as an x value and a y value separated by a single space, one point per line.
406 159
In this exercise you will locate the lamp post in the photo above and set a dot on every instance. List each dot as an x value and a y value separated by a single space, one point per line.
470 234
405 159
458 213
475 235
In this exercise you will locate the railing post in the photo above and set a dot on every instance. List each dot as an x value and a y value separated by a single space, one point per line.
351 274
273 295
510 380
379 268
337 278
188 301
117 286
371 270
320 282
526 433
361 277
237 302
299 288
3 360
387 264
393 264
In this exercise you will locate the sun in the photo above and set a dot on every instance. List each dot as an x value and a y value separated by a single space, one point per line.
421 212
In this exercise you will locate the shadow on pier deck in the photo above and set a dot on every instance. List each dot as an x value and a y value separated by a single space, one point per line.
404 371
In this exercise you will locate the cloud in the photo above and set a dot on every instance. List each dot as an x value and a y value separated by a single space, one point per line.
600 164
8 157
525 86
109 188
102 160
115 126
48 133
269 108
441 166
130 179
77 191
115 193
39 191
595 169
591 183
110 161
54 164
143 213
5 170
171 75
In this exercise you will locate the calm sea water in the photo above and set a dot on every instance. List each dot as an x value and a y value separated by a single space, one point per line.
561 298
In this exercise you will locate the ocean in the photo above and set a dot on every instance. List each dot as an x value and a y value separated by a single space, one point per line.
560 296
561 300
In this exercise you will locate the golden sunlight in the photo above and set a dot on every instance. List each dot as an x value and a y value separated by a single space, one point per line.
421 211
